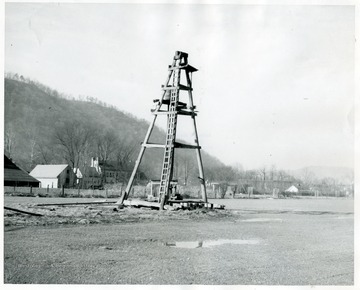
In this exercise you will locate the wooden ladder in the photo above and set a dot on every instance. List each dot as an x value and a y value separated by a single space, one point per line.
167 167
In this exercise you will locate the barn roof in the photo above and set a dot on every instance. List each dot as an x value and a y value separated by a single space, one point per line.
14 173
48 171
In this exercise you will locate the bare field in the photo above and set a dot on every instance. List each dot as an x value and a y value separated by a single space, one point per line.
255 242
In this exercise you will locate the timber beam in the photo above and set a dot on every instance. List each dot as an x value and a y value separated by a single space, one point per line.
186 146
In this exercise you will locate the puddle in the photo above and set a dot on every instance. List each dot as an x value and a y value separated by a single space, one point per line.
262 220
210 243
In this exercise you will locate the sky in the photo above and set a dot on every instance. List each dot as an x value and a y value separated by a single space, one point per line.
275 85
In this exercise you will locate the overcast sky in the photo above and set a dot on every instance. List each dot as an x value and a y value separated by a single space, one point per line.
275 84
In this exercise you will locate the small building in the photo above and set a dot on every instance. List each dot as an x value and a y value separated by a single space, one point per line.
155 184
91 178
109 173
54 175
15 176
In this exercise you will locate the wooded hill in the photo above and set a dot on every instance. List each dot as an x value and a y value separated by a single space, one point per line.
43 126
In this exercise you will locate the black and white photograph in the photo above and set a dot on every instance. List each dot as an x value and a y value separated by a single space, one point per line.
193 144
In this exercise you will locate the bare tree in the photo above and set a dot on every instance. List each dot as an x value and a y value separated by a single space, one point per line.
32 137
106 145
44 153
124 155
273 172
74 138
10 140
308 177
263 172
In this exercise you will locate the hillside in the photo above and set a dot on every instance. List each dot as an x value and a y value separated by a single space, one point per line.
36 117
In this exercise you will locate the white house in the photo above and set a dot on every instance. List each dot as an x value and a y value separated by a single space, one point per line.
292 189
54 175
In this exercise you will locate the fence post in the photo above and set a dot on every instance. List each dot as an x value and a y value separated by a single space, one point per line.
30 190
62 191
47 189
250 190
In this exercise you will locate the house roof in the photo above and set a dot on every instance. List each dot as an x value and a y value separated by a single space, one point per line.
292 189
48 171
106 166
14 173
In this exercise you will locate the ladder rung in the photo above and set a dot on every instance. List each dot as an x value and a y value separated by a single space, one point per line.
178 87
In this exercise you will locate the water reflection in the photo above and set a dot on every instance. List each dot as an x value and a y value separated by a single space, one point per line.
210 243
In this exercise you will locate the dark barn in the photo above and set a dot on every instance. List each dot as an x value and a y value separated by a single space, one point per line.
15 176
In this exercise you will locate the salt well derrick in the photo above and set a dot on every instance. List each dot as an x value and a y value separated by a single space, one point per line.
170 106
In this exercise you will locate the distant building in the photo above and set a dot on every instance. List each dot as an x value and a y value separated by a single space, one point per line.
109 173
54 175
292 189
155 184
91 178
98 174
15 176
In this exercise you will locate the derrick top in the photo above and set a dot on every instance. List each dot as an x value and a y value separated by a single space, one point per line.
182 58
180 54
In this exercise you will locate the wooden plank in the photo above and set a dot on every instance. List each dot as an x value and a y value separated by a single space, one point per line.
141 203
179 87
179 112
186 146
23 211
147 204
173 204
185 200
75 203
161 112
186 113
153 145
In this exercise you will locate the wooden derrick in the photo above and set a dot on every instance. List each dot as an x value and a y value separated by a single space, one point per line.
170 106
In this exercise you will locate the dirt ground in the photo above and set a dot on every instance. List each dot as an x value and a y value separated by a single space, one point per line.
253 242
